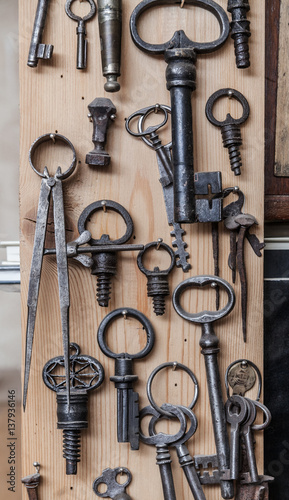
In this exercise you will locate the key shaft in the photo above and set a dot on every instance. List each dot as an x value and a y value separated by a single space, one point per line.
38 50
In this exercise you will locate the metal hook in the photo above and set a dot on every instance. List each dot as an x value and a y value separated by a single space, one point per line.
159 241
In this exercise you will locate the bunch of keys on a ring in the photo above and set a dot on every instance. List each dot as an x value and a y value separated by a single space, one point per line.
163 441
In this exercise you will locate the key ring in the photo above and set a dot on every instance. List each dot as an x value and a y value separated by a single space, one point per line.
73 16
179 39
174 365
188 434
143 113
100 205
229 93
267 413
162 438
253 366
52 137
108 477
128 312
204 316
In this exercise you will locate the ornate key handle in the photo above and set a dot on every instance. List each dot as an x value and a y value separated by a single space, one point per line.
115 490
160 438
192 419
174 365
54 138
125 312
151 130
180 54
179 39
235 376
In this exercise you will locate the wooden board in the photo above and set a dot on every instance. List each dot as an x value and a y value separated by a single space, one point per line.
55 97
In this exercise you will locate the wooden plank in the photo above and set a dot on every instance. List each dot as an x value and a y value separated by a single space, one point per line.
55 97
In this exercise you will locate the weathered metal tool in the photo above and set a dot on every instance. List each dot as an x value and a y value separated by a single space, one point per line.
105 261
240 31
38 50
230 127
157 280
210 348
109 14
102 113
49 184
236 412
115 490
161 442
32 482
86 374
180 54
163 152
127 399
81 54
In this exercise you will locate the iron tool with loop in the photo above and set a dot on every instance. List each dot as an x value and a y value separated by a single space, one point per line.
81 31
210 348
114 490
180 54
49 184
151 138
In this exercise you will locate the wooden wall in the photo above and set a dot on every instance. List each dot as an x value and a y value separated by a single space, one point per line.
55 97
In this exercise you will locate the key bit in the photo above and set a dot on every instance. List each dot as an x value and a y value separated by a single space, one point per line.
180 245
230 127
38 50
127 399
109 21
102 113
115 490
81 31
157 280
32 482
240 31
105 263
86 374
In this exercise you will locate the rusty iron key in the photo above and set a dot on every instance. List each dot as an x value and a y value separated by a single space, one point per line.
38 50
81 31
180 54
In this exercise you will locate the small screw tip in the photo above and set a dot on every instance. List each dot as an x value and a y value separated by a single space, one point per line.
52 137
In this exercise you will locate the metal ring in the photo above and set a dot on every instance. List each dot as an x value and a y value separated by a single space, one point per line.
163 245
133 313
204 316
162 438
256 370
163 107
229 119
52 137
267 413
144 113
116 207
188 434
173 364
73 16
201 48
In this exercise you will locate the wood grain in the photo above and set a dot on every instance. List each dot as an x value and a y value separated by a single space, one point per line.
55 97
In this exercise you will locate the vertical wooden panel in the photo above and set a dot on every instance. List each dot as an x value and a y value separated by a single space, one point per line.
55 97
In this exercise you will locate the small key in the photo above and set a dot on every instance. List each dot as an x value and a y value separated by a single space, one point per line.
185 459
81 31
38 50
115 490
235 419
161 442
248 439
127 399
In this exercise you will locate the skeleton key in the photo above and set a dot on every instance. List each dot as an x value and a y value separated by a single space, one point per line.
164 159
180 54
38 50
246 433
161 442
115 490
185 459
127 399
235 419
210 348
81 31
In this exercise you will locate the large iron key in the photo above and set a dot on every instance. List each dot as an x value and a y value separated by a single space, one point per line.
37 49
180 54
210 348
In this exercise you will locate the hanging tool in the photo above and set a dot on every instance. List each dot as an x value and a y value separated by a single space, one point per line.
109 14
180 53
37 49
49 185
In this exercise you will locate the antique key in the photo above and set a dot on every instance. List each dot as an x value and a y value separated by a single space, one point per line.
180 54
115 490
38 50
127 399
236 412
161 442
151 138
81 31
210 348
